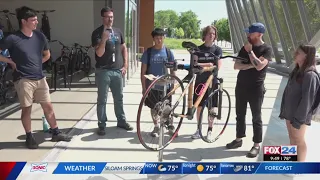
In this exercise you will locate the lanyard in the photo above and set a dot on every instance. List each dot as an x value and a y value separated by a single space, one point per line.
112 36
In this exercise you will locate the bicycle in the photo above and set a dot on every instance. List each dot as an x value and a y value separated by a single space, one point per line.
83 59
45 25
163 108
8 93
61 63
10 28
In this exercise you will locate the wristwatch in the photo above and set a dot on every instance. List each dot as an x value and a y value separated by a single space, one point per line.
250 52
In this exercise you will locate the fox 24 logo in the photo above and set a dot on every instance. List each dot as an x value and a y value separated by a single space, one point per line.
280 150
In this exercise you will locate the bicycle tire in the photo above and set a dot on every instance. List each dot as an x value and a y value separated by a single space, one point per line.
87 64
174 106
10 89
78 61
219 111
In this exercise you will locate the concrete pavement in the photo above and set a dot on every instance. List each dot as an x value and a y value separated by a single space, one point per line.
121 146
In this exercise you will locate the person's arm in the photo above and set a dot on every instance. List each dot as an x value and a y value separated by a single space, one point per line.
6 43
262 61
144 66
310 85
172 60
46 50
99 44
238 65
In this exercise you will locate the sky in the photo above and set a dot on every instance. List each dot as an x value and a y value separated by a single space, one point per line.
207 10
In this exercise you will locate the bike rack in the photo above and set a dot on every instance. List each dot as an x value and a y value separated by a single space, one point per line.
161 135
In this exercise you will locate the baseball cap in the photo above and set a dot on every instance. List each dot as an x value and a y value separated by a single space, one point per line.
255 27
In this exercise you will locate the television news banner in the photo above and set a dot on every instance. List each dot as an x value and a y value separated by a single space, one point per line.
277 160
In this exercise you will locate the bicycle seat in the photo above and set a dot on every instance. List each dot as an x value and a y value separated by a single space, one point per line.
189 45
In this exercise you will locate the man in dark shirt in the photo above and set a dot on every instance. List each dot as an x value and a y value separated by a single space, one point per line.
250 86
111 65
28 49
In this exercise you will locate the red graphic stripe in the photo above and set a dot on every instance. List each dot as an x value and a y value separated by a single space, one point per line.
5 169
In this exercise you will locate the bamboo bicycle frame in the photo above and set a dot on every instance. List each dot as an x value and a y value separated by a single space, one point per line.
192 106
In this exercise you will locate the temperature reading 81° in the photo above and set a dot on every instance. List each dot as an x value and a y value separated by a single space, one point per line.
172 167
210 167
248 167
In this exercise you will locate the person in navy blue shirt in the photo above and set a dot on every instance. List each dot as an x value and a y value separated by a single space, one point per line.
209 35
155 65
28 49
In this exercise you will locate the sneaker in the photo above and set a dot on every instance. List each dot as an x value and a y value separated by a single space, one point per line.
196 135
61 137
234 144
125 126
31 143
209 135
171 129
155 132
101 131
254 151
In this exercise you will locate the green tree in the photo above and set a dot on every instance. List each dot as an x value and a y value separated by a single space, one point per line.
179 33
189 22
166 19
222 26
214 23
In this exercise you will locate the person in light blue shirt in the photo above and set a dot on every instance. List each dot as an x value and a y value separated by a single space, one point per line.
5 52
153 62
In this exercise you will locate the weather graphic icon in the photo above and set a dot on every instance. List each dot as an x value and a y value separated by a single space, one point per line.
200 168
161 168
237 168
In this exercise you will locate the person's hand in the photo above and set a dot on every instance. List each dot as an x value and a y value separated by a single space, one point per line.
13 65
248 47
123 71
105 35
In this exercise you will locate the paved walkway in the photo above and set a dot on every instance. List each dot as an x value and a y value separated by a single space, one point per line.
121 146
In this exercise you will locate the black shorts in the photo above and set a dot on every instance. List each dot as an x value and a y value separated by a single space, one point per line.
214 97
155 96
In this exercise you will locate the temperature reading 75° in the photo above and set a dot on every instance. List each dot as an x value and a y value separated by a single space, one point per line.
210 167
172 167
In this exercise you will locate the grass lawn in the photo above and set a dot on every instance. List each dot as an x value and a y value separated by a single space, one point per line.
173 43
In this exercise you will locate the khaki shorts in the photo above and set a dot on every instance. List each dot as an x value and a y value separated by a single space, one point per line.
30 91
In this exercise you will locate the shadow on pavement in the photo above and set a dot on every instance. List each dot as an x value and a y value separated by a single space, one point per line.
201 154
38 134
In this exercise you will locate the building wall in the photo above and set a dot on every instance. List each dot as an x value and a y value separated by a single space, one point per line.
66 24
146 23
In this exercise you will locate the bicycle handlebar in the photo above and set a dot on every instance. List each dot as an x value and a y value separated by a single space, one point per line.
63 46
45 11
7 12
193 67
80 46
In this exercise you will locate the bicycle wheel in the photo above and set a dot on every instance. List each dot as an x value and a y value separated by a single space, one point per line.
219 124
162 111
87 64
78 61
10 94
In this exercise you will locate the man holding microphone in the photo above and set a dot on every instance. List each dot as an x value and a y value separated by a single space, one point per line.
111 65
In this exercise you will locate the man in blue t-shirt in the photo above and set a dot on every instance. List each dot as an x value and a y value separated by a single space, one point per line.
28 49
153 62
